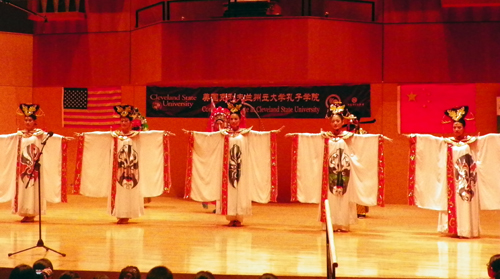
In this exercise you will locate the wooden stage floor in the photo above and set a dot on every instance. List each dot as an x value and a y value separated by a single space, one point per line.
397 241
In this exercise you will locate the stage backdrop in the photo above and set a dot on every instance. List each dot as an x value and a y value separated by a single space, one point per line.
269 102
422 107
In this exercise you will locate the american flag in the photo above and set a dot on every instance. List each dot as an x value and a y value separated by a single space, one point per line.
91 107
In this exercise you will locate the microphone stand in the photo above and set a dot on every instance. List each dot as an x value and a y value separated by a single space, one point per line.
36 168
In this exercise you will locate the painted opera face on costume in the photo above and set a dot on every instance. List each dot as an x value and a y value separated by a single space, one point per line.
339 169
234 165
466 177
128 167
27 164
339 166
234 153
28 154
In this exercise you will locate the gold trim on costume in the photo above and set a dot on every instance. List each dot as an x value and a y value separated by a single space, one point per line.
465 141
231 133
25 134
341 136
121 136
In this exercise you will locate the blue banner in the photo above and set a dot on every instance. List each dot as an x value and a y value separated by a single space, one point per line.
268 102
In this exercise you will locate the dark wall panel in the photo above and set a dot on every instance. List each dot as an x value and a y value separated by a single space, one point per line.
344 52
465 52
243 51
95 59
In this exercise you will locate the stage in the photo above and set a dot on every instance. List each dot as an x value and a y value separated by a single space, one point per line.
396 241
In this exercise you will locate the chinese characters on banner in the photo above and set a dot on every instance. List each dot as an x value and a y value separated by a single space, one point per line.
269 102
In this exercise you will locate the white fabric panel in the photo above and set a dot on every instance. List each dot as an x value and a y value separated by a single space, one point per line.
363 183
129 202
150 149
309 167
8 159
488 162
51 164
28 188
239 199
430 173
343 212
467 211
342 209
259 159
97 164
206 179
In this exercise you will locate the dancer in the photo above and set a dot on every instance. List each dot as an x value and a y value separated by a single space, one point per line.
233 166
20 178
343 167
124 165
445 175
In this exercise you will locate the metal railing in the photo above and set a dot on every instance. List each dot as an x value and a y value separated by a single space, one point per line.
331 255
137 13
307 9
371 3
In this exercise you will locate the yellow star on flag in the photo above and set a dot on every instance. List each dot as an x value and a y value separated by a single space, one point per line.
412 97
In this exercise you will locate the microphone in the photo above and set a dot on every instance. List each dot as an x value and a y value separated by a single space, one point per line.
49 134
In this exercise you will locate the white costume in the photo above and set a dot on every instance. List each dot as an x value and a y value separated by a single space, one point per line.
18 152
457 178
233 170
347 170
124 168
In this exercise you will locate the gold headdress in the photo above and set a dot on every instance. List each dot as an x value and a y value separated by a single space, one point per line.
30 110
125 111
457 114
337 108
235 107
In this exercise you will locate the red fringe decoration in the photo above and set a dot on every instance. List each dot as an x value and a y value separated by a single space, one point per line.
166 164
324 183
381 172
225 176
274 168
295 150
64 170
189 167
411 172
79 159
452 211
18 173
113 176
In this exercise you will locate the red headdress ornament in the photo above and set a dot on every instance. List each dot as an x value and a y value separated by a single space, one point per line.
218 113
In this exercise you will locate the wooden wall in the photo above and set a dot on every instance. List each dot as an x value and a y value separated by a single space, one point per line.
409 43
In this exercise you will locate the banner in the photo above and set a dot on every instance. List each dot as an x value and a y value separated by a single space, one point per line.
269 102
422 106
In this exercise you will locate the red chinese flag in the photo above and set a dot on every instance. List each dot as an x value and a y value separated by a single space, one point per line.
422 107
